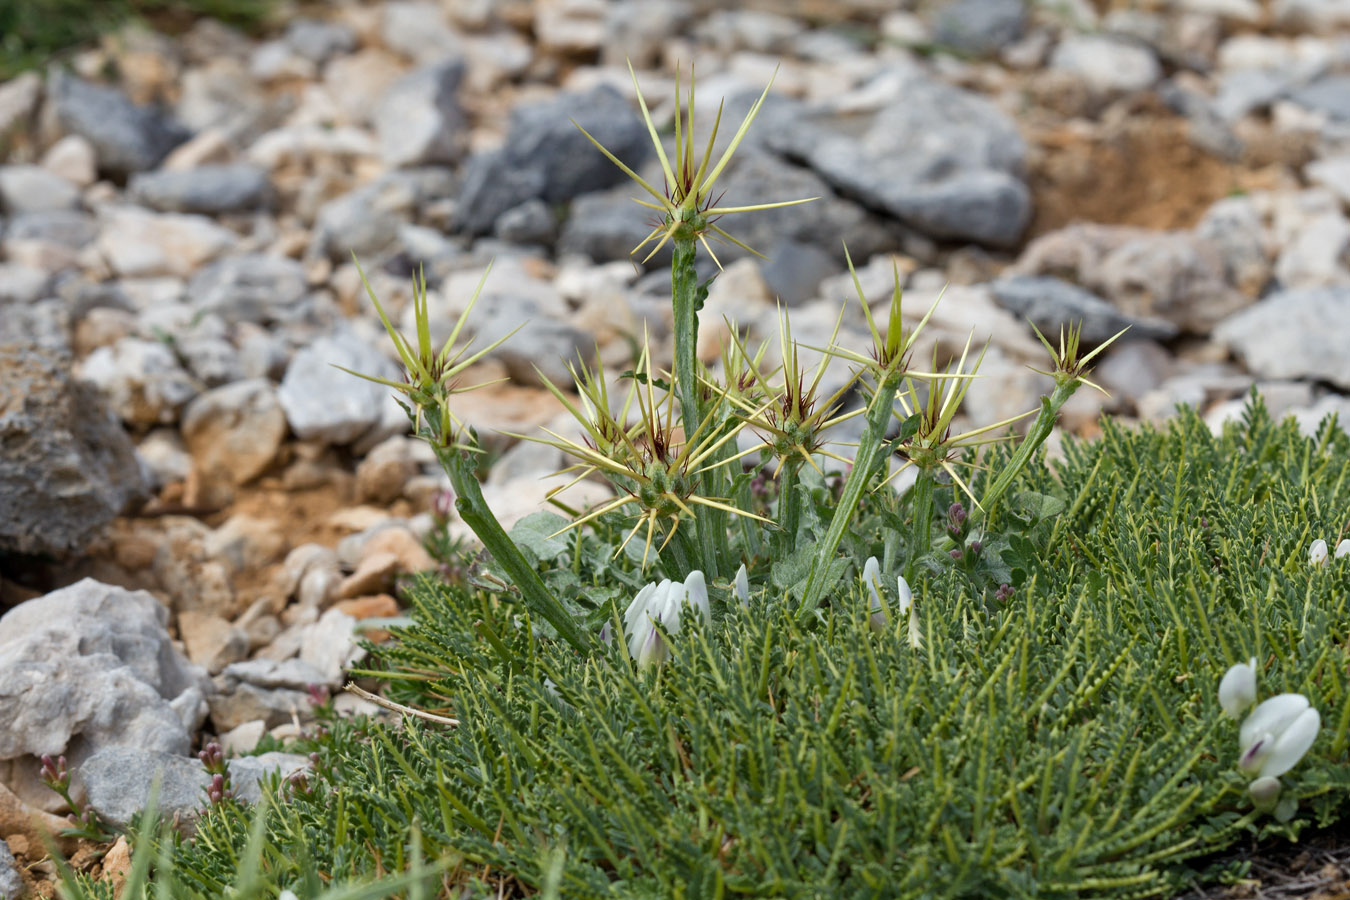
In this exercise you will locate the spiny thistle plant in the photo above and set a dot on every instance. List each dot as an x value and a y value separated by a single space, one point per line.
678 464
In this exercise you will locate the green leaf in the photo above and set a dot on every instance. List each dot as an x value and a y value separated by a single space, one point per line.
538 535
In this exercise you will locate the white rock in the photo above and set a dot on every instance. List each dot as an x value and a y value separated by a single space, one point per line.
1318 255
1107 65
1332 173
331 646
140 243
1294 334
142 380
570 26
93 662
325 404
33 189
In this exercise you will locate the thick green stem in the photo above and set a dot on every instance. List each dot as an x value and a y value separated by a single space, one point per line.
921 525
473 509
870 453
1035 437
789 510
745 499
684 299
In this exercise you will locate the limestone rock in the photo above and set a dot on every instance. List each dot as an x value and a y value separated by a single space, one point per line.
66 466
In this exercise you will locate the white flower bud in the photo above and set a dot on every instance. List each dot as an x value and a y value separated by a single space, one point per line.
1317 553
1265 793
742 586
1343 548
1237 690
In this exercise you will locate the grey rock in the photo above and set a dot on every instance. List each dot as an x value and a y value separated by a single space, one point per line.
1132 369
45 324
1329 94
547 157
292 674
210 190
979 27
365 222
25 189
212 360
142 380
118 781
827 222
249 288
66 467
1051 303
248 703
318 41
938 158
794 271
607 225
1206 127
532 222
11 882
322 403
1294 334
249 774
639 32
419 120
91 666
1242 91
1234 226
127 137
64 227
1175 276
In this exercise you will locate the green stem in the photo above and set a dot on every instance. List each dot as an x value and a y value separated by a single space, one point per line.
1026 451
684 299
921 526
789 510
870 447
683 549
473 509
745 499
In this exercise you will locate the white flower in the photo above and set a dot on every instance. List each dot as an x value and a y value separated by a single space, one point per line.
1343 548
872 578
742 586
1317 553
1277 734
1237 690
662 604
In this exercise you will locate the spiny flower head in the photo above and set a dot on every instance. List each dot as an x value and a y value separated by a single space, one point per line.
1069 367
687 208
430 377
794 419
932 445
652 464
890 353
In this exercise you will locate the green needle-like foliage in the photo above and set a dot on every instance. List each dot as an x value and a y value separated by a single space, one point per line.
1061 738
